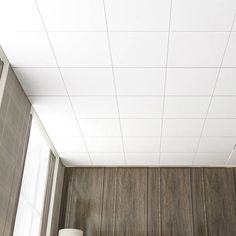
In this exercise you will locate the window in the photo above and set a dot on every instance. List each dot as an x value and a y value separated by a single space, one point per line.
31 201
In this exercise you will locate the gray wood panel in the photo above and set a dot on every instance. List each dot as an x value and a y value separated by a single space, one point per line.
198 202
176 209
220 201
109 197
131 202
86 200
153 202
150 201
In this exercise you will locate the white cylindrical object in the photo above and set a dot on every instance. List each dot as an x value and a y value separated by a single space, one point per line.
70 232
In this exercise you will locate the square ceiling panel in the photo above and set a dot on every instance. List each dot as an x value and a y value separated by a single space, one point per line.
41 81
138 15
20 16
73 15
196 49
141 144
226 83
179 144
104 144
89 81
140 81
202 15
230 56
138 49
141 127
182 127
176 159
140 106
27 49
186 106
81 49
100 127
95 106
107 159
190 81
142 159
211 159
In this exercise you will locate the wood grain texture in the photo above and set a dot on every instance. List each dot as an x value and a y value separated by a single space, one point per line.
150 201
198 202
131 202
109 197
176 216
220 201
153 201
86 200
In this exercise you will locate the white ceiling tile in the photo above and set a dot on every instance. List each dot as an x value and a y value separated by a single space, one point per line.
182 127
54 106
100 127
72 159
72 15
210 159
179 144
140 106
142 159
232 159
138 15
104 144
190 81
68 144
141 127
226 84
220 127
222 107
20 16
211 15
89 81
230 56
141 144
56 115
140 81
216 144
27 49
41 81
196 49
95 106
81 49
186 107
138 49
176 159
107 159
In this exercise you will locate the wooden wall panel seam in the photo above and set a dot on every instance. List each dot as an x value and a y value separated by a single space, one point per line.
159 220
191 199
204 199
102 197
114 204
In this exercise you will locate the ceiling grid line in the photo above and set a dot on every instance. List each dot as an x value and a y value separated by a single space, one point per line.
68 95
114 80
217 78
129 67
165 82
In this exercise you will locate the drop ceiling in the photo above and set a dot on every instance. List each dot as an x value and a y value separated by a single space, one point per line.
128 82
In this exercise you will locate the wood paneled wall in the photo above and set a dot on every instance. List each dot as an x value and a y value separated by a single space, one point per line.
150 201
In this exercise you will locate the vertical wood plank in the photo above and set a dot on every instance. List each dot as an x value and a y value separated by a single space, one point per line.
153 201
109 195
131 202
86 200
176 217
220 201
198 202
